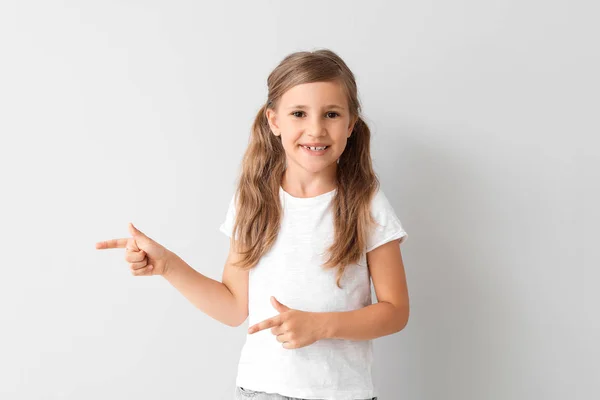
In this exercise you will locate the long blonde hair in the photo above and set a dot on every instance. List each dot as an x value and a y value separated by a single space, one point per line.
258 206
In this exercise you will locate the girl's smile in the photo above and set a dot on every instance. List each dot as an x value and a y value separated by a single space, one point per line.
316 150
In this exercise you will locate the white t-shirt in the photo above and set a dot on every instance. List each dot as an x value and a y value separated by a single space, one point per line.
332 369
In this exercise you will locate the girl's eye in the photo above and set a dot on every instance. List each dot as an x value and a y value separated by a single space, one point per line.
302 112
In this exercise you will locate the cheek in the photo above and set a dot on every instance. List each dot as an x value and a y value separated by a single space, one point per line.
290 147
290 142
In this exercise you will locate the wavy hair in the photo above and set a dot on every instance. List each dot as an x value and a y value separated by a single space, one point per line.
258 206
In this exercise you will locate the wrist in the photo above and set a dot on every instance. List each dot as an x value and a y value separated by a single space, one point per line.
170 264
326 322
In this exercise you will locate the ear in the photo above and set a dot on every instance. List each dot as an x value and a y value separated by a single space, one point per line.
272 119
351 128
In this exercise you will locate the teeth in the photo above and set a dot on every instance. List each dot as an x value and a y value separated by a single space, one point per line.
315 148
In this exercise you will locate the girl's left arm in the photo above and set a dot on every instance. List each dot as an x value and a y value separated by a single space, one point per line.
389 315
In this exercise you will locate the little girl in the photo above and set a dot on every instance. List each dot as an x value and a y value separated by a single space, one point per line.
309 227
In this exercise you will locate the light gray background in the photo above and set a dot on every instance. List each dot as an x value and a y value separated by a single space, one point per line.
485 137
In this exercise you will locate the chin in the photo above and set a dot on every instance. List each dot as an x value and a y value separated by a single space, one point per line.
316 167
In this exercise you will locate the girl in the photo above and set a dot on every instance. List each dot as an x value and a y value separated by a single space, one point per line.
309 227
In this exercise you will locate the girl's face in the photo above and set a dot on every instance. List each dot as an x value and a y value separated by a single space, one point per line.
312 114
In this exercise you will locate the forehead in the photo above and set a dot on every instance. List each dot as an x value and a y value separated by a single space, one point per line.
315 94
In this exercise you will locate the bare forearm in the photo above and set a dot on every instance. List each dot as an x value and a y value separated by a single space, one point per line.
370 322
210 296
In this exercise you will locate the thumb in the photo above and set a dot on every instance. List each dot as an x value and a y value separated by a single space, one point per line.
278 306
138 235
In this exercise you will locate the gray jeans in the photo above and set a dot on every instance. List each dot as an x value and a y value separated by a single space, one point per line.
246 394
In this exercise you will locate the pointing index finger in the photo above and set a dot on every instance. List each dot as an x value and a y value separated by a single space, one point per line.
111 244
268 323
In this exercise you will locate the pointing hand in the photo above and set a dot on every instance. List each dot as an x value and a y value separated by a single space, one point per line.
146 256
293 328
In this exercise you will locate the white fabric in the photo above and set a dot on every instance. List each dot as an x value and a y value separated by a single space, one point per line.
332 369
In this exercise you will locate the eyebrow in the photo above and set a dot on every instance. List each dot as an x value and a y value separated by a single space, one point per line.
329 106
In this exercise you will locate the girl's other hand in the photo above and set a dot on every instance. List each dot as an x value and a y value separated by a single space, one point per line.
145 256
293 328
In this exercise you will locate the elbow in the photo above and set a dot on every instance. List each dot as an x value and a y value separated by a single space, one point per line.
403 324
239 321
403 316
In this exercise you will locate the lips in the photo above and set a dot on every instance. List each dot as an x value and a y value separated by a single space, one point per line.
315 152
326 146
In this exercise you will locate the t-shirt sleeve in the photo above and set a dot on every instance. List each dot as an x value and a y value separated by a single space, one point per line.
227 225
388 226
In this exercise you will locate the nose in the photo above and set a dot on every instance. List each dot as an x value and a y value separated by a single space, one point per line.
316 127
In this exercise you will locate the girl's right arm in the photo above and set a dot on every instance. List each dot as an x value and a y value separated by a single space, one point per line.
225 301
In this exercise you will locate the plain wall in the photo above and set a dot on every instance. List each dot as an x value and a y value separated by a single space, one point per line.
485 129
